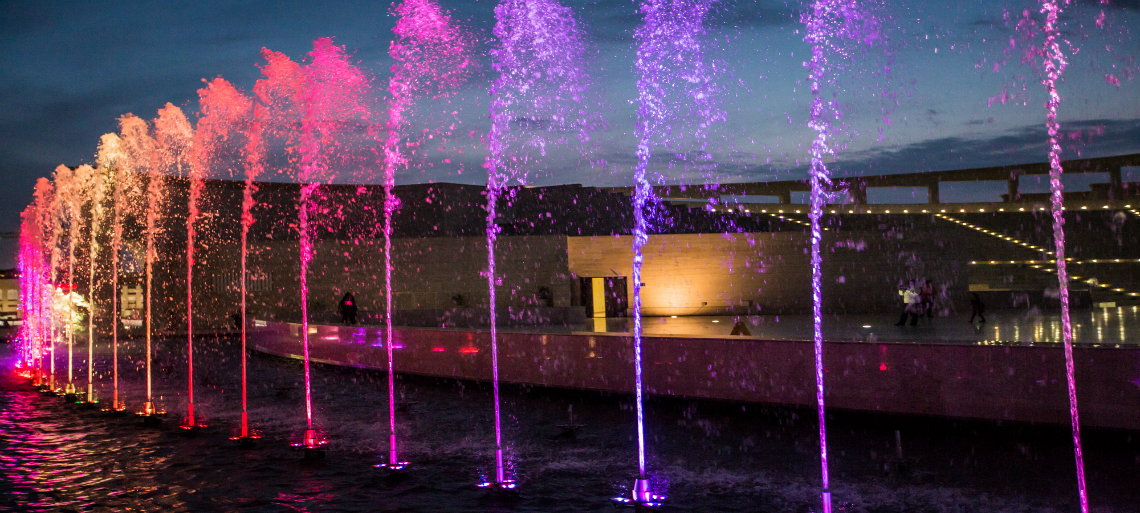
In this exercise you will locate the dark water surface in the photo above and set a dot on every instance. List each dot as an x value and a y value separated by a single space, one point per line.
712 456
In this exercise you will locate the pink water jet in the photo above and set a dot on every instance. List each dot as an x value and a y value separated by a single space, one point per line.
39 255
53 226
35 281
327 96
175 140
1055 63
109 151
431 59
254 153
117 179
228 115
29 261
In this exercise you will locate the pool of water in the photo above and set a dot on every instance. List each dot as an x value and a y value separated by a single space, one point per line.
711 456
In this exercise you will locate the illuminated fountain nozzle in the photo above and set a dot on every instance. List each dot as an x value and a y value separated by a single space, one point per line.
394 464
119 407
150 413
191 425
69 391
505 485
312 440
89 399
501 482
642 496
313 444
245 436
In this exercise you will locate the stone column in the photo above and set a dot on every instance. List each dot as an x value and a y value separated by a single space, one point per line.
1013 190
1116 184
858 192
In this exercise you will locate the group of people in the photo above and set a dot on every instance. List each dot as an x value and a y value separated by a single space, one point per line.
918 300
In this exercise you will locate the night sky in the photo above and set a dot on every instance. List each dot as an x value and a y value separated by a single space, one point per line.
918 100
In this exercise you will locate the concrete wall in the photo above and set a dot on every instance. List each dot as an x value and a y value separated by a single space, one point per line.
427 274
1018 383
704 274
770 273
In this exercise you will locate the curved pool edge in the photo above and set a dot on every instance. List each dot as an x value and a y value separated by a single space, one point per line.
1008 383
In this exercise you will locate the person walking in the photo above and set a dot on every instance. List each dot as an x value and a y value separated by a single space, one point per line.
910 305
347 308
977 307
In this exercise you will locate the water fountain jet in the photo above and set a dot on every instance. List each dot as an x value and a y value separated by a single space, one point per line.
329 91
118 179
539 61
1055 63
147 155
669 37
429 53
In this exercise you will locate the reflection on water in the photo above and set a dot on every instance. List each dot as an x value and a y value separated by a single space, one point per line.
715 456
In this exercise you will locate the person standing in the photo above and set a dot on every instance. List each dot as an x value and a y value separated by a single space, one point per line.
910 305
348 308
977 307
926 293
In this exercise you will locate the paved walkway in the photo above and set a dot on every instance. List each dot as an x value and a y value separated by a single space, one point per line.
1101 326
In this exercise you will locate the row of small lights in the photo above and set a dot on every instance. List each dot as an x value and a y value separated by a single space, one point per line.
925 211
777 215
1035 263
994 234
1073 277
988 232
791 219
1069 260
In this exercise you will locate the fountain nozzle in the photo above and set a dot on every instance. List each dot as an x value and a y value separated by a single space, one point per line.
313 444
642 496
150 414
69 392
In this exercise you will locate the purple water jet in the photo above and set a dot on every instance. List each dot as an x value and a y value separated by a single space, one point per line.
669 45
827 23
1054 62
539 62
